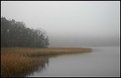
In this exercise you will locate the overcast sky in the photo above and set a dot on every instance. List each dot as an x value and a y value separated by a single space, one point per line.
69 23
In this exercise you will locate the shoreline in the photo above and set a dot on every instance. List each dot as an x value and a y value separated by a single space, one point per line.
23 61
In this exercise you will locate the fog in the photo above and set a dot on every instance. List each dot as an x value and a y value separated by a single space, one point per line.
69 23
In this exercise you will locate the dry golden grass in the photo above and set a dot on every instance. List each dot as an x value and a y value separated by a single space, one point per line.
19 61
13 64
46 51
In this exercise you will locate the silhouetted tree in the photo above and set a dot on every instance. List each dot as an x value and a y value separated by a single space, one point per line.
16 34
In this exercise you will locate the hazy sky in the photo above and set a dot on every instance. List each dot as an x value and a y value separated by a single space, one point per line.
69 23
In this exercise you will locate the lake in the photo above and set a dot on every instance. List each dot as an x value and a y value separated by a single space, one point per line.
102 61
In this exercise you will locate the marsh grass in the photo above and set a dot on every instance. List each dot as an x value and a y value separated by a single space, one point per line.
13 64
45 51
22 61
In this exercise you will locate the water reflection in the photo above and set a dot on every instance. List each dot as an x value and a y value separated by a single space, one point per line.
103 61
37 68
40 67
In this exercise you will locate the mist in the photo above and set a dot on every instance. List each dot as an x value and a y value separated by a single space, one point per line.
60 38
69 23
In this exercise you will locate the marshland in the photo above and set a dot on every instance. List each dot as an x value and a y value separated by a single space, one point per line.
22 61
60 39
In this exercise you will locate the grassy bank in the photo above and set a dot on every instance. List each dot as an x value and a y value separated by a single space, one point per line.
21 61
13 64
44 51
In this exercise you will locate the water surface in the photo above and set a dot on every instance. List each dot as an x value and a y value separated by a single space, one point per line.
102 61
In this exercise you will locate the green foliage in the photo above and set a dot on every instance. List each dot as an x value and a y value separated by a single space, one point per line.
16 34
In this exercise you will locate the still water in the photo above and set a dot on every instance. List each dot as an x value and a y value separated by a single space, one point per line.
102 61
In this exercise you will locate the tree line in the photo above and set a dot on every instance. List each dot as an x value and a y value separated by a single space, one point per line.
16 34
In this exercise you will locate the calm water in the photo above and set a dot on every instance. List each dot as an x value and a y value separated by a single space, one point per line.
102 61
